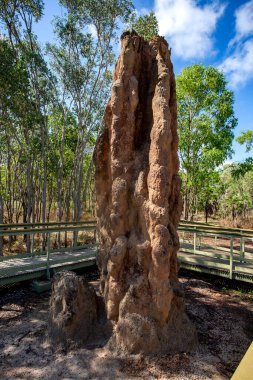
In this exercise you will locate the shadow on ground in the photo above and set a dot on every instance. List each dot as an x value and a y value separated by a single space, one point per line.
223 317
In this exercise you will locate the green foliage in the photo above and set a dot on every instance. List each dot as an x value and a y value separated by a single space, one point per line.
240 169
14 81
247 139
81 60
236 196
209 192
51 110
100 13
205 126
146 26
16 10
52 107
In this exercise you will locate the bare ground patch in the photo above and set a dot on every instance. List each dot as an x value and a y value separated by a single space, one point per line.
223 317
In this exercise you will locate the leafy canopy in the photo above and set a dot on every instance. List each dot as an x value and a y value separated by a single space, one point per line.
146 26
205 116
239 170
205 125
247 139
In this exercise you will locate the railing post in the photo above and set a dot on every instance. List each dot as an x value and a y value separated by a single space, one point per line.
194 241
75 237
242 249
1 244
32 244
48 256
231 260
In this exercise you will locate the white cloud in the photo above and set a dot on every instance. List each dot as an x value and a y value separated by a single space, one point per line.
144 11
188 26
92 30
239 65
244 20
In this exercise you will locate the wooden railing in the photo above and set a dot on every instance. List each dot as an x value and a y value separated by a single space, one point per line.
207 248
42 255
229 250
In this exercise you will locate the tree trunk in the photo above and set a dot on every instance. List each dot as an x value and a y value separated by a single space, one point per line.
1 222
206 211
44 184
186 206
29 202
87 180
9 192
59 177
67 210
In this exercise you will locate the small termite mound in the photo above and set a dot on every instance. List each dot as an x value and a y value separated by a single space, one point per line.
76 313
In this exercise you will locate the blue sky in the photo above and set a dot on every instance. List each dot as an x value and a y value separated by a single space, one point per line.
217 32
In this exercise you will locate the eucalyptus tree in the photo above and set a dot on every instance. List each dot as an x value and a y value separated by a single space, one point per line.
81 61
30 127
205 124
15 109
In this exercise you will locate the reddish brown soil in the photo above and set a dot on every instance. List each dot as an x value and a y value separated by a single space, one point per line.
223 317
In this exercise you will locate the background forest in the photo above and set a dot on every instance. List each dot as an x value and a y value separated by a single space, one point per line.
52 103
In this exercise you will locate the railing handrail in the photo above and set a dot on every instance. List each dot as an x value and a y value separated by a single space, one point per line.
218 232
212 226
18 225
46 230
33 228
196 230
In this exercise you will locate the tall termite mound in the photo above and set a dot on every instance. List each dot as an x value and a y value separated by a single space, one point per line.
139 204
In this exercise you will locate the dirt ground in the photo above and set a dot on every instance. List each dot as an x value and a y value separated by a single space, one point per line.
223 317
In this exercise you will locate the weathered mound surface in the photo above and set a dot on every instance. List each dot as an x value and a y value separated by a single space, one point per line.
73 309
139 204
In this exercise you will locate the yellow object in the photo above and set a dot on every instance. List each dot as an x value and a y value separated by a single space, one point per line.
244 370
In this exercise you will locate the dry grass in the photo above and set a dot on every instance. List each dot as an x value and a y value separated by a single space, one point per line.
18 246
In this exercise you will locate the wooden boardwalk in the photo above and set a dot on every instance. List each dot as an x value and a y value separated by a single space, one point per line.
208 260
218 261
34 267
